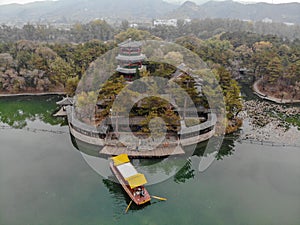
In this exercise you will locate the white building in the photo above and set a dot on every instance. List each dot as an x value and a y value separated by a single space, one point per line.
170 22
133 25
267 20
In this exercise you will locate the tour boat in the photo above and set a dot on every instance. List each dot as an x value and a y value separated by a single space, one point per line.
132 181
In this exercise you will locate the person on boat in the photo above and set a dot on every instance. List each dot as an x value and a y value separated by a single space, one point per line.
140 192
136 191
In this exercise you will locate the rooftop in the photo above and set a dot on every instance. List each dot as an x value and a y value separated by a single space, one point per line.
131 58
132 44
65 101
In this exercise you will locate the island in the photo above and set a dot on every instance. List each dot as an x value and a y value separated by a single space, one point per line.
185 125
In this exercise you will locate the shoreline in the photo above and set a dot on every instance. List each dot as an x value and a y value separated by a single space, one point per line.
32 94
264 96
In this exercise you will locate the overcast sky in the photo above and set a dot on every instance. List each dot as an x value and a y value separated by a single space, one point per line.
2 2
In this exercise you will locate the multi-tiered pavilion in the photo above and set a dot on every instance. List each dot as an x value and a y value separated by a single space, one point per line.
130 59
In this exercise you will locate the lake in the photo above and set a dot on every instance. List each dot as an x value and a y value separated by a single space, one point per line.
45 180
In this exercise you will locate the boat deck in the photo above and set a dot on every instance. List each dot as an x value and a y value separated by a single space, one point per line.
157 152
139 200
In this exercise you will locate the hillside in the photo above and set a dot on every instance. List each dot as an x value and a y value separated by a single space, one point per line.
288 12
70 11
83 11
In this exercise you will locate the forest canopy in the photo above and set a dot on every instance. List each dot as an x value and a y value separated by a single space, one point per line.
46 59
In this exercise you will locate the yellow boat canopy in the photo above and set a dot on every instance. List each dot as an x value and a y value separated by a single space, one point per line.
128 171
136 180
120 159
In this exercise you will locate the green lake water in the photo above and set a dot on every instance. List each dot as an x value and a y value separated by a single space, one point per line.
45 180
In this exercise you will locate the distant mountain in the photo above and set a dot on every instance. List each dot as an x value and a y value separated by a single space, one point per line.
70 11
188 10
288 12
83 10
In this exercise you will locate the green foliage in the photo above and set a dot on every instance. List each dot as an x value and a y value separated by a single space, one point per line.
160 69
225 46
60 70
85 104
231 92
22 109
71 85
153 107
134 34
213 49
97 29
240 31
185 173
274 70
23 58
109 91
174 58
189 122
48 66
187 83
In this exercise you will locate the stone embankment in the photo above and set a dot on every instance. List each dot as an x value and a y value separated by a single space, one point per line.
263 113
267 122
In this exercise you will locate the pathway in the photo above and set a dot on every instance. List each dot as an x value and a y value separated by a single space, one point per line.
270 98
157 152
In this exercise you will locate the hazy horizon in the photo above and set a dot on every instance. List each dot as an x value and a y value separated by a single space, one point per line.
5 2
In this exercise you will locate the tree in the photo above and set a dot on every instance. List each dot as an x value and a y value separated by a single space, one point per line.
124 25
233 100
225 77
23 59
29 31
60 71
263 52
231 92
134 34
293 73
109 91
85 105
71 85
153 107
174 58
274 70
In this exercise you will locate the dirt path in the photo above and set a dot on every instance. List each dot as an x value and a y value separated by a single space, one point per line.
270 98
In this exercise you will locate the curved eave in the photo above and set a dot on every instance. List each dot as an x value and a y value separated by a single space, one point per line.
132 58
130 44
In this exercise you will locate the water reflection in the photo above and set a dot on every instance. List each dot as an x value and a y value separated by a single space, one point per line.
180 168
18 112
185 173
120 197
58 188
228 146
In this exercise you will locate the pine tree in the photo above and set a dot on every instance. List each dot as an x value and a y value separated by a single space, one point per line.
274 70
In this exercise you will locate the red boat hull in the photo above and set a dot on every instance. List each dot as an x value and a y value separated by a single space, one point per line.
136 198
